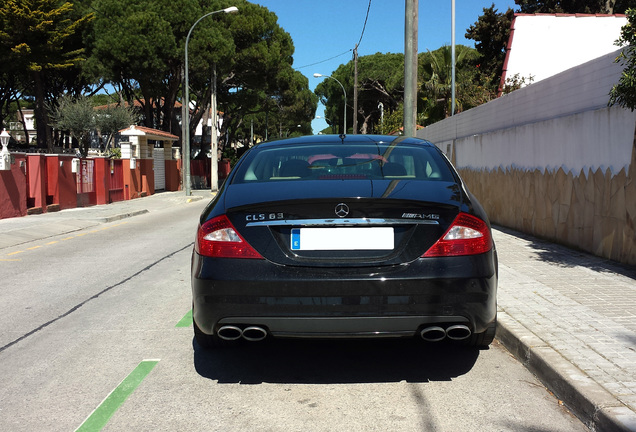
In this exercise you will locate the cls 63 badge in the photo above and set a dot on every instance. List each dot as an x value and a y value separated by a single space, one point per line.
263 217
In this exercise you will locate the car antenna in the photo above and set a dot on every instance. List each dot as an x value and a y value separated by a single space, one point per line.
342 137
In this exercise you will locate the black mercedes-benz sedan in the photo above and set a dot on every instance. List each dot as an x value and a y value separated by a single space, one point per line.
344 237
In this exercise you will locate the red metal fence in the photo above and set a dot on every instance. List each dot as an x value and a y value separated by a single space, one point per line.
116 180
86 183
40 183
200 173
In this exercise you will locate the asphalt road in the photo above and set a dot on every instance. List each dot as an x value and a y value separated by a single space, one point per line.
96 333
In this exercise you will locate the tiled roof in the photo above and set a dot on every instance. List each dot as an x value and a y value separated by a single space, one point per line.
150 133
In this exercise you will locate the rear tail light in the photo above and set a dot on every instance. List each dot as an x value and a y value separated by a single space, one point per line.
467 235
217 238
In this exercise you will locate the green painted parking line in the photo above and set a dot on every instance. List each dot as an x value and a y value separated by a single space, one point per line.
186 321
98 419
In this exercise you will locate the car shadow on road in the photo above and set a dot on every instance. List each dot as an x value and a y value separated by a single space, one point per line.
337 362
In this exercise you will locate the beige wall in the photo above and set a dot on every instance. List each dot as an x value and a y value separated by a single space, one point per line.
594 211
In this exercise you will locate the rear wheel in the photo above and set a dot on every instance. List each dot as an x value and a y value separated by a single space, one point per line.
485 338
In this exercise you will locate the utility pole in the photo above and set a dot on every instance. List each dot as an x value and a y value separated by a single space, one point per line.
410 67
185 147
355 90
453 101
214 139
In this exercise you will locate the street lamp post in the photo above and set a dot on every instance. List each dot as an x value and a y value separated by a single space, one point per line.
185 124
344 129
5 156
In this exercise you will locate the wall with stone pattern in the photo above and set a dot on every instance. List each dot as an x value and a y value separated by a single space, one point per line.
553 160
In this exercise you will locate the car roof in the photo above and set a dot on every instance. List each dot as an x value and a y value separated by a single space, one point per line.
345 139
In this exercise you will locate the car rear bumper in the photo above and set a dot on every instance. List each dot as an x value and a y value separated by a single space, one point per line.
391 301
343 327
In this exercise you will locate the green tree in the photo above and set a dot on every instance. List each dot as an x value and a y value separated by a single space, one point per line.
76 116
258 79
290 109
138 48
436 78
380 81
393 121
8 93
381 89
140 45
113 118
39 40
624 92
490 33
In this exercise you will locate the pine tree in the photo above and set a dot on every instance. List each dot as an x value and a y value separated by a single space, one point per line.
38 39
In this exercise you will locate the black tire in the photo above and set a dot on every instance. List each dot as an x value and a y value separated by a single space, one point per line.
485 338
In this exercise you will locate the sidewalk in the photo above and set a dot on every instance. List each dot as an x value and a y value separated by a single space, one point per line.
569 317
19 230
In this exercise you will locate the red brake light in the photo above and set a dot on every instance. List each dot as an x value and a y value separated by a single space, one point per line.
467 235
217 238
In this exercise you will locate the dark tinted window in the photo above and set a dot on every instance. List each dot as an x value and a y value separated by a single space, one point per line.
363 161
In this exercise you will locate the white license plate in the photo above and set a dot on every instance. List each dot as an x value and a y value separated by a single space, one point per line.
343 238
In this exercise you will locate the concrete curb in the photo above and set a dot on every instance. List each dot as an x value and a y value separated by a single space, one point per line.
121 216
591 403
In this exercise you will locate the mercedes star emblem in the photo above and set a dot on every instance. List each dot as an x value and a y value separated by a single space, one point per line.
342 210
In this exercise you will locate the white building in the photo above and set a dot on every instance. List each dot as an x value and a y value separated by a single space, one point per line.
17 130
543 45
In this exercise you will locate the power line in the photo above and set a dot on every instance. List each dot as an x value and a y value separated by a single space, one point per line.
326 60
355 75
348 51
365 23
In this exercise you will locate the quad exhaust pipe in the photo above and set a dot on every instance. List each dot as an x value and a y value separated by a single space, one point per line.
251 333
458 332
433 334
430 334
436 333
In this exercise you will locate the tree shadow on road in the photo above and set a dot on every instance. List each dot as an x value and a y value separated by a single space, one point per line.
567 257
338 362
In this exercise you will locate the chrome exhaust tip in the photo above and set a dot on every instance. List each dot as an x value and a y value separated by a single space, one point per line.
458 332
254 334
433 334
230 333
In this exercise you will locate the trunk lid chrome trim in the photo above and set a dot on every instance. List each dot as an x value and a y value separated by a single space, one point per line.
342 222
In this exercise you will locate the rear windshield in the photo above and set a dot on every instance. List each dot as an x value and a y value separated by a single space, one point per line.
349 162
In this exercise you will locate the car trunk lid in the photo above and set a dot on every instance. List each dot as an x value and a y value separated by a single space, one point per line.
344 223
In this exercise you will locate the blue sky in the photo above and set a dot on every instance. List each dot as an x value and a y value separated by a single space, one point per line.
325 29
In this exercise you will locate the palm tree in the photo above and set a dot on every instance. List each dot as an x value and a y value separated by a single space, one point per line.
437 79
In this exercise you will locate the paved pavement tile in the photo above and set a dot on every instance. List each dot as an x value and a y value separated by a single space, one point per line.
580 306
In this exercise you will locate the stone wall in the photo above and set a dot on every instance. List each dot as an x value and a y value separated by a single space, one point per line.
594 211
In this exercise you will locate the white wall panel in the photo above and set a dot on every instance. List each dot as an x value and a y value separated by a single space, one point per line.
560 122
